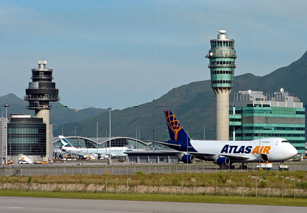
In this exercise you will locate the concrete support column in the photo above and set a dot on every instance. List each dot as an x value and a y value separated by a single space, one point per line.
44 114
50 144
234 128
233 133
222 115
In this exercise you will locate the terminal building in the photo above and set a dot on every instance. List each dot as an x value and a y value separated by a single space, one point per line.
253 115
26 135
84 142
22 134
142 152
3 135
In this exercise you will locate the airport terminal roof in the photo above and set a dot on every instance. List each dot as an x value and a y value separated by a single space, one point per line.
102 139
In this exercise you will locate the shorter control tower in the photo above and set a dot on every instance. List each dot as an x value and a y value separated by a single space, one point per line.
222 65
40 92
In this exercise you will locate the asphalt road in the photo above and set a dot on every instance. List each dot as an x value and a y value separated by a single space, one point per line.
96 168
56 205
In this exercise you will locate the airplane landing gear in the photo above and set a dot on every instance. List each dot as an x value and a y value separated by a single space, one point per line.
243 166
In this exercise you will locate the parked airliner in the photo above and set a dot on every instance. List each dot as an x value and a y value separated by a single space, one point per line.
104 152
225 152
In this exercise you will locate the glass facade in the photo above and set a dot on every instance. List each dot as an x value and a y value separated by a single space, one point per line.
26 136
222 57
254 122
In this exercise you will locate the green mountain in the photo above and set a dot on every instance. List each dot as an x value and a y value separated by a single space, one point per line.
291 78
59 114
193 104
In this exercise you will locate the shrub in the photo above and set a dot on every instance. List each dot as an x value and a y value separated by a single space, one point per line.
302 185
247 184
299 174
262 184
139 173
175 182
142 181
210 182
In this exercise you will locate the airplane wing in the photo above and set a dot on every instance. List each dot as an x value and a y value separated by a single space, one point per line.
202 155
167 144
236 157
206 156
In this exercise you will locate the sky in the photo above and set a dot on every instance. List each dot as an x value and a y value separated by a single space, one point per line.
124 53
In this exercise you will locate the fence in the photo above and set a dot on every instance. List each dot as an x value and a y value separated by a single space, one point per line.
192 184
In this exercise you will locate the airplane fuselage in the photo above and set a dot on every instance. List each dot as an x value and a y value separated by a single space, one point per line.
114 151
276 149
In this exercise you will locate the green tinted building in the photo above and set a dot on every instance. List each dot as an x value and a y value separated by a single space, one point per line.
253 116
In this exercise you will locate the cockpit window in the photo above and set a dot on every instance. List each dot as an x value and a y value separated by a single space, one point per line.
284 141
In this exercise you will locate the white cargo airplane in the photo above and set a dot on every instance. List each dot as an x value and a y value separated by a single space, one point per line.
225 152
104 152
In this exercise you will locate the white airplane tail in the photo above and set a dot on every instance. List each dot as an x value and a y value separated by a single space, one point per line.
65 142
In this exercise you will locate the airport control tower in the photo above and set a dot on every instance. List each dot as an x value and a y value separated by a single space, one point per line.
222 64
40 92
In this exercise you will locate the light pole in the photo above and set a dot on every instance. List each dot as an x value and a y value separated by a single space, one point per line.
259 150
137 136
139 132
110 130
62 130
187 152
97 135
10 151
75 131
204 132
136 132
6 106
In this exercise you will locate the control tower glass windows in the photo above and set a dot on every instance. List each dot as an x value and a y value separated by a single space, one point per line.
228 72
222 44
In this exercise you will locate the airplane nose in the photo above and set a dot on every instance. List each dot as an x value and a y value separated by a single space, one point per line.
293 151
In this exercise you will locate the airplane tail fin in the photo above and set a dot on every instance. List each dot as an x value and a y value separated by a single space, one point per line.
176 131
65 142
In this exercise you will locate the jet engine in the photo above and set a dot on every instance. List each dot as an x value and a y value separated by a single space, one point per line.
187 158
223 161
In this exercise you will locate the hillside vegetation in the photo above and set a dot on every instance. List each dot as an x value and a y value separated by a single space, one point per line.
193 104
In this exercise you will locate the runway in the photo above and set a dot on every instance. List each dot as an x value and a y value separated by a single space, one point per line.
57 205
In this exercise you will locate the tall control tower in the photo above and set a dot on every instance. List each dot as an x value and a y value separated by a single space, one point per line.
222 64
40 92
